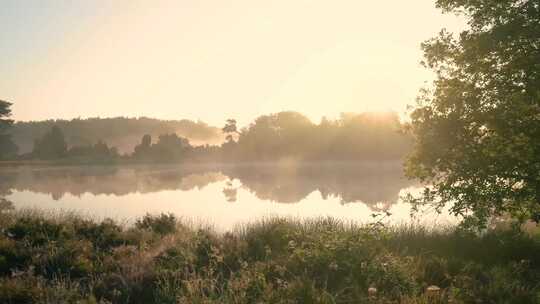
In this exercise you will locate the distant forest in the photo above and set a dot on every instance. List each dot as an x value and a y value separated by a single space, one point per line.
291 135
283 136
123 133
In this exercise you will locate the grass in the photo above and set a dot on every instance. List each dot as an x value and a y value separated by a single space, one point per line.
69 259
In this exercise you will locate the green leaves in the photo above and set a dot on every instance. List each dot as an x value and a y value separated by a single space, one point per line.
7 147
477 131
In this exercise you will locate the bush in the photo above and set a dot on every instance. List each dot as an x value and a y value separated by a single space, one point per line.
37 231
161 224
105 235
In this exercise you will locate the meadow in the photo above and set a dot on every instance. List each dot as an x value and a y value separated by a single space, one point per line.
65 258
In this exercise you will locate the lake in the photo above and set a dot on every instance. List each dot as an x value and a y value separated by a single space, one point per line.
220 195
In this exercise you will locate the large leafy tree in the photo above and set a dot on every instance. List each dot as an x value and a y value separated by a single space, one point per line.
477 131
7 147
276 136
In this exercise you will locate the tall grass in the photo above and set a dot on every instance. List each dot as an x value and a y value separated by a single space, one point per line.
69 259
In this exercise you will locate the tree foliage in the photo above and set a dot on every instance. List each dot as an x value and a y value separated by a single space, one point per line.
274 137
99 151
169 147
122 132
7 147
477 130
230 129
51 146
352 137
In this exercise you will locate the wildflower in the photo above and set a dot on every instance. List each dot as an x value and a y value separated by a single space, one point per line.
372 291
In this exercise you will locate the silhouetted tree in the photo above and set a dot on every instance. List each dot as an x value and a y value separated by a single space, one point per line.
230 129
477 132
98 151
169 147
8 149
142 151
51 146
228 148
146 141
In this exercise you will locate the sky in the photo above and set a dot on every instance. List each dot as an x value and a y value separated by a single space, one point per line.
212 59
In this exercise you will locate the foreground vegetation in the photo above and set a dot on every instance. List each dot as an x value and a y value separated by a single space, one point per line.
68 259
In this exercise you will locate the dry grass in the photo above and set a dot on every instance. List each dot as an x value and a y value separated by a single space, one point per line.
51 258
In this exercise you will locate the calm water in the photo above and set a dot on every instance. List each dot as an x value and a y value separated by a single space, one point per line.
223 195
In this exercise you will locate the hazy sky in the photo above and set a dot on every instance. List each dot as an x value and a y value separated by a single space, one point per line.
212 60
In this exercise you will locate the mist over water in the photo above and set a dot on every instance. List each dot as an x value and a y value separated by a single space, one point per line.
219 195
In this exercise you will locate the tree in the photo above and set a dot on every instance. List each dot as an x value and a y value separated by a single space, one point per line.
229 148
7 147
98 151
143 150
276 136
477 131
230 129
170 147
51 146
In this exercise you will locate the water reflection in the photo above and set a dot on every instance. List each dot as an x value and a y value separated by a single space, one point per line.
58 181
222 196
376 185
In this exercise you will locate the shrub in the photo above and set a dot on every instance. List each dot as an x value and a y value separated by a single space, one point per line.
161 224
105 235
73 258
19 291
35 230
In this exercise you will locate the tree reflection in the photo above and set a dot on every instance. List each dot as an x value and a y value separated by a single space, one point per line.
106 180
377 185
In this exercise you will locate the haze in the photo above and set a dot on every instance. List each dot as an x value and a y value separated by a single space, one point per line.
212 60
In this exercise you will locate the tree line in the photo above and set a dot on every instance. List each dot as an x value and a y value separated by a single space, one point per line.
274 137
291 135
124 132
